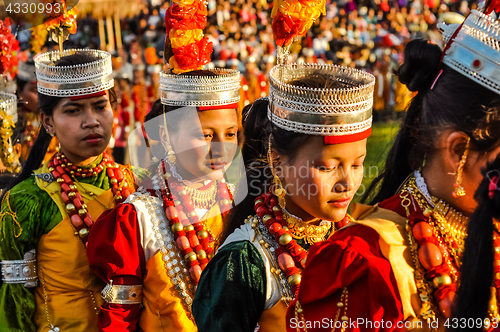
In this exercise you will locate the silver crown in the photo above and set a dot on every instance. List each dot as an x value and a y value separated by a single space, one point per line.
8 104
26 72
321 111
76 80
475 50
185 90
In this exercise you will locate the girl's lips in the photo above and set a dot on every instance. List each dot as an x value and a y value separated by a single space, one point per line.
217 166
93 139
341 203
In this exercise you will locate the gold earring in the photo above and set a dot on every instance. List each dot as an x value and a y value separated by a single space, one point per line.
279 191
459 190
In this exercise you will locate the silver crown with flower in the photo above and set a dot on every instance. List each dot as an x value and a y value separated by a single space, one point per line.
8 104
198 90
475 50
321 111
75 80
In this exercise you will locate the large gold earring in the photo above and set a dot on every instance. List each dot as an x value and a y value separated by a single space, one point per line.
459 190
279 191
170 154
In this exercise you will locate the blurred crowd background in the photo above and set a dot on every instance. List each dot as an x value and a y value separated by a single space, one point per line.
366 34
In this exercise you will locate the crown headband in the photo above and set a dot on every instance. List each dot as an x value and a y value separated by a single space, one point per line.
8 104
75 80
325 111
474 50
199 90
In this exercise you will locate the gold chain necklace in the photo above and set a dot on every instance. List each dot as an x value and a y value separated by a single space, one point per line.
203 198
450 224
302 230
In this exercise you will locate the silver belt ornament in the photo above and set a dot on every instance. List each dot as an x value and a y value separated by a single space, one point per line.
21 271
122 294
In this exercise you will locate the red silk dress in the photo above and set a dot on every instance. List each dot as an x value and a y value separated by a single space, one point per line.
371 259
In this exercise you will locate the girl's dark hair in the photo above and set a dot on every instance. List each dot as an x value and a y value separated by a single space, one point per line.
455 102
256 130
46 105
473 295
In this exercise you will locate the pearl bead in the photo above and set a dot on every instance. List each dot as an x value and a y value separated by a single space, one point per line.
441 280
70 207
191 214
82 212
285 239
60 180
71 194
113 181
83 232
177 202
188 228
201 254
276 208
203 234
340 305
344 318
183 192
294 279
177 227
258 201
266 217
190 256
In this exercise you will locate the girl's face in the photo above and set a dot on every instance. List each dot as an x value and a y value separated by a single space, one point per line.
83 127
205 149
472 177
29 94
322 179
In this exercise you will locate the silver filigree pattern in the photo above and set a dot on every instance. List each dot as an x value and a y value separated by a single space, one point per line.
46 177
335 111
74 80
8 103
475 50
286 292
185 90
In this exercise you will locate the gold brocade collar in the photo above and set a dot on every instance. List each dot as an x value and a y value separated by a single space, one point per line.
308 232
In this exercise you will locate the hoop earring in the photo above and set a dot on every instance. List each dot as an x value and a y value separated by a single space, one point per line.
459 190
279 190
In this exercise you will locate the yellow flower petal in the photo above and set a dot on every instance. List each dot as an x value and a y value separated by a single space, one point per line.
179 38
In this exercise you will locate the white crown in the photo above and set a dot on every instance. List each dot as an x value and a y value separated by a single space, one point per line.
187 90
8 104
75 80
475 50
338 111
